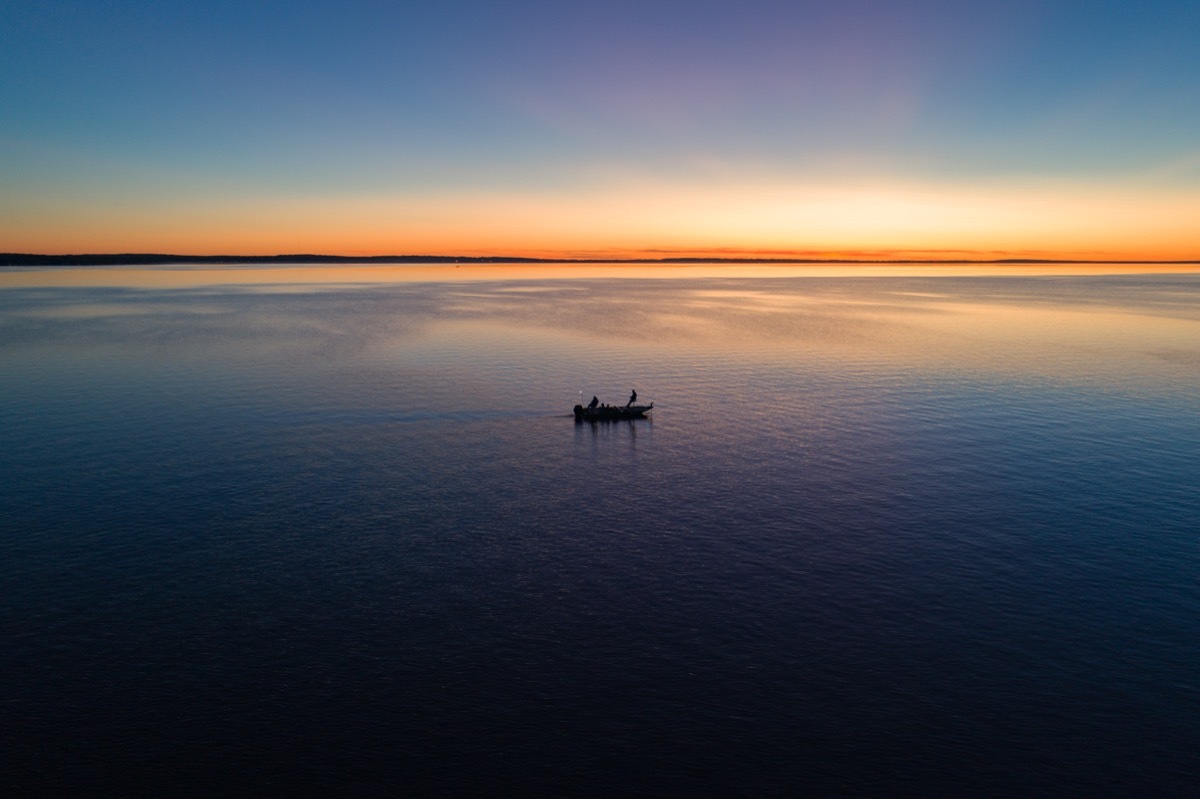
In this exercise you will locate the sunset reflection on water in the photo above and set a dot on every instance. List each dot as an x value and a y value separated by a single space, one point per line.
1123 323
166 277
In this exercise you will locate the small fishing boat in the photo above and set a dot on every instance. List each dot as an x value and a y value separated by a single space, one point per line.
611 413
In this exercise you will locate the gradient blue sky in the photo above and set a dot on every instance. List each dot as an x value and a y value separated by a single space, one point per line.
927 129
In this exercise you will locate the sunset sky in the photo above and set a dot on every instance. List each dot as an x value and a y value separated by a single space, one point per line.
928 129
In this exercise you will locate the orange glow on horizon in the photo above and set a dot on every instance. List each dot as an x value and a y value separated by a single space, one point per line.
641 220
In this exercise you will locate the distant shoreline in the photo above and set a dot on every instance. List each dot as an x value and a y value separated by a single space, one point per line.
150 259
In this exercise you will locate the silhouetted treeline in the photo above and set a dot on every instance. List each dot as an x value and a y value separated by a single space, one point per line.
145 259
151 259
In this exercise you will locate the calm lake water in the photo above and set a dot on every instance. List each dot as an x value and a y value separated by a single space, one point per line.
899 531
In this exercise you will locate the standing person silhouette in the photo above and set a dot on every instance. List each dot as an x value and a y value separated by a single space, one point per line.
632 398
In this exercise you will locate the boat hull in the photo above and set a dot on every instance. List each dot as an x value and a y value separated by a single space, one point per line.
611 413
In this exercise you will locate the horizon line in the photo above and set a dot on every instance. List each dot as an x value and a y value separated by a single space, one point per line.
145 259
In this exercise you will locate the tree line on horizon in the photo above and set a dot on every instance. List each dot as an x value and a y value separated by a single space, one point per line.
152 259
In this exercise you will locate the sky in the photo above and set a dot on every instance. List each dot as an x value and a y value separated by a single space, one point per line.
932 129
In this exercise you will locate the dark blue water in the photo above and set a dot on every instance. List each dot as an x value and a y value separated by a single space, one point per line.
883 536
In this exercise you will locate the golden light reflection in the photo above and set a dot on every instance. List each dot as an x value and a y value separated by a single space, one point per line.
1054 330
1050 341
279 278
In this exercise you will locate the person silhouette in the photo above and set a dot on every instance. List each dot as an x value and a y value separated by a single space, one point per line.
632 398
592 405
